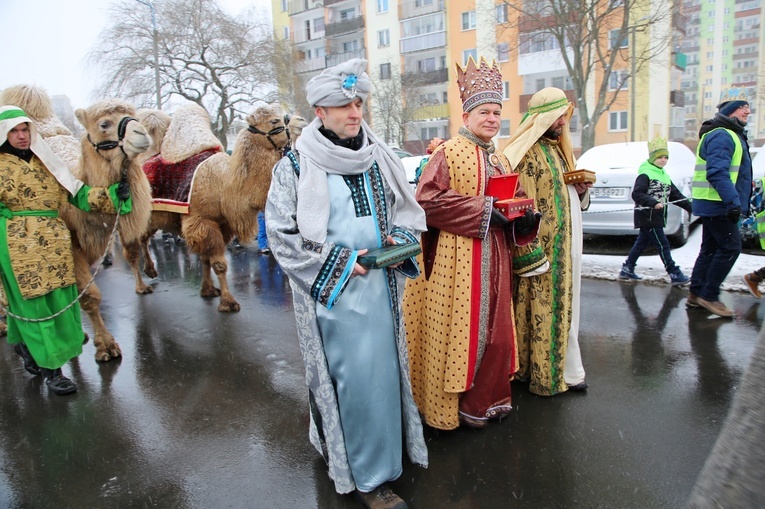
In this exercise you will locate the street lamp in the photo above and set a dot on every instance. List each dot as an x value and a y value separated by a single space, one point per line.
150 5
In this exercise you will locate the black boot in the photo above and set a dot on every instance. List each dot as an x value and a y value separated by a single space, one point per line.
57 382
29 362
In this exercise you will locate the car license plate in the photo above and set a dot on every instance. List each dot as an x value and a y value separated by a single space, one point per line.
608 192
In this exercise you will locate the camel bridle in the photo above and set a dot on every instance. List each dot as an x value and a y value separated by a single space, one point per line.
272 132
109 145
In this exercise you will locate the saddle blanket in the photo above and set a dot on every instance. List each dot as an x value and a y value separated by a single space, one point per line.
171 183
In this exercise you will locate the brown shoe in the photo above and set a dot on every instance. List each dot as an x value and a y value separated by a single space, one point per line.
752 281
715 307
691 302
380 498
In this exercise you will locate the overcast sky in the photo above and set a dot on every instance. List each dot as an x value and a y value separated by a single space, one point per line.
46 42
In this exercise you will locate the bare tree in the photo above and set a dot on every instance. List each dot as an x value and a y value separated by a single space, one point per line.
389 110
595 39
205 56
290 89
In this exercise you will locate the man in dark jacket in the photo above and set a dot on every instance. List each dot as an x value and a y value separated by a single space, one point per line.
722 184
652 192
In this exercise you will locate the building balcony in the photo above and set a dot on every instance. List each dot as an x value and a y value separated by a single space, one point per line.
680 60
306 35
298 6
523 100
677 98
420 78
345 26
327 3
423 42
311 64
412 8
337 58
432 112
679 22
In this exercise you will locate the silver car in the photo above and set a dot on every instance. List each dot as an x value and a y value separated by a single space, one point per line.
616 167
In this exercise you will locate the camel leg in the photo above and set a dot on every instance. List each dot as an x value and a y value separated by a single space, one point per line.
208 287
106 347
148 263
132 253
228 303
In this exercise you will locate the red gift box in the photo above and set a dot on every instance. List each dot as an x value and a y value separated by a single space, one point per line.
514 207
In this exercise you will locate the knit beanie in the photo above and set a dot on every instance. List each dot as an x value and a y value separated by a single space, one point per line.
729 107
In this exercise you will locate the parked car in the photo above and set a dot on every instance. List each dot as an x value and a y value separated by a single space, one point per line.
616 167
411 164
401 152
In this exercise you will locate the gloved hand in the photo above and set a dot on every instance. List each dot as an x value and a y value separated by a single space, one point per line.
734 214
526 223
123 190
498 219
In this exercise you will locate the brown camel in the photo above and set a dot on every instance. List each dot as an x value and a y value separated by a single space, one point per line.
226 194
91 231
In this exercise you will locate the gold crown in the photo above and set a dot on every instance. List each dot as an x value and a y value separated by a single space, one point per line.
479 84
733 94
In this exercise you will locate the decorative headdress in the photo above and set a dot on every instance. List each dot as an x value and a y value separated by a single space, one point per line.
732 99
657 148
479 84
339 85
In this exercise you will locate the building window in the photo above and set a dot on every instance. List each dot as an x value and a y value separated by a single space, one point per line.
350 46
428 133
286 32
382 6
503 51
347 14
617 39
285 5
385 71
469 53
468 20
502 16
505 90
421 3
540 84
617 121
426 64
558 82
383 38
618 80
504 129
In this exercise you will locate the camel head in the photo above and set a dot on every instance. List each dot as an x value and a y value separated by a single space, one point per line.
295 126
267 126
112 130
156 123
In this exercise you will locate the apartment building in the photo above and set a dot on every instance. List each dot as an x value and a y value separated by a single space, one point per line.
723 44
414 45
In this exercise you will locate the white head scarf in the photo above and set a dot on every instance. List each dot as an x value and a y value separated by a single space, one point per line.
545 107
10 117
339 85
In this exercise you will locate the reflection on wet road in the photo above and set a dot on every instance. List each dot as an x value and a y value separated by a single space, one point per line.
209 410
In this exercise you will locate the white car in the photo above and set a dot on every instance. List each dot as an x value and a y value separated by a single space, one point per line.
616 166
411 164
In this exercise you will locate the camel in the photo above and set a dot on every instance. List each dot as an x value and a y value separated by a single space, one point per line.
103 167
226 194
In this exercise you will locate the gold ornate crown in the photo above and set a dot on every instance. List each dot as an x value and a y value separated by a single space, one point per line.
733 94
657 147
479 84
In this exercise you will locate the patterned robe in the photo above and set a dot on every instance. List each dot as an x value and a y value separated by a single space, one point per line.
37 266
459 317
547 305
351 330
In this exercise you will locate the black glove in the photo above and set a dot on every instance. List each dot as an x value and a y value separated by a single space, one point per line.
498 219
734 214
123 190
526 223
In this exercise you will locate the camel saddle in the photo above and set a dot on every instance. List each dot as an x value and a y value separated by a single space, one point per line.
171 183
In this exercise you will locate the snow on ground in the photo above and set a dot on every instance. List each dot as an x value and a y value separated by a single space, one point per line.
650 266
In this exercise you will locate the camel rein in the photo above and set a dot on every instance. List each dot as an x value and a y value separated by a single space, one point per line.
85 288
272 132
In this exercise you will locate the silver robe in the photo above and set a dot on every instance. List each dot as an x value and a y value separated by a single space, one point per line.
320 274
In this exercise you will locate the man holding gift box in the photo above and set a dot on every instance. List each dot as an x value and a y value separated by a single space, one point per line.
344 193
547 297
459 316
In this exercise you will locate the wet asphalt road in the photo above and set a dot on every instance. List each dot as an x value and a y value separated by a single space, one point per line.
208 410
